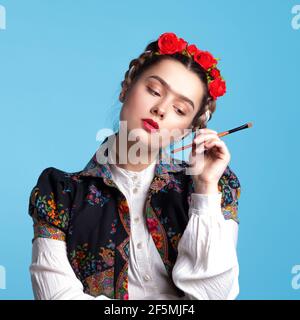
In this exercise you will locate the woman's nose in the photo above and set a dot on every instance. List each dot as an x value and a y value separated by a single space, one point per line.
158 111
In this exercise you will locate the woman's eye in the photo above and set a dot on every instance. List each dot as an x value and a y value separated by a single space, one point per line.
179 111
153 92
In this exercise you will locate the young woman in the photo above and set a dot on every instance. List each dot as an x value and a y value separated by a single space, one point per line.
136 223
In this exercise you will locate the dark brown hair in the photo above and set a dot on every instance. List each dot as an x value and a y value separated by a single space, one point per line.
148 59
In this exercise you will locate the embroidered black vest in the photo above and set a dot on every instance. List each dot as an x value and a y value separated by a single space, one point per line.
88 211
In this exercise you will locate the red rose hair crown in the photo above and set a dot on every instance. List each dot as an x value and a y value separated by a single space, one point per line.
169 43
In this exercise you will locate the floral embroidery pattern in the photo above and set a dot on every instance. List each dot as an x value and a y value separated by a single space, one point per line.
95 196
124 214
158 184
158 239
156 230
108 256
52 212
73 176
230 212
122 283
175 239
113 227
230 187
152 224
175 185
95 273
164 183
44 230
83 262
101 283
172 235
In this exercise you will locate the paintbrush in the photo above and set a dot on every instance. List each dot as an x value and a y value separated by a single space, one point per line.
221 134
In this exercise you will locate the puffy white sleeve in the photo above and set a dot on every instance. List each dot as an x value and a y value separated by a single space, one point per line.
52 276
207 266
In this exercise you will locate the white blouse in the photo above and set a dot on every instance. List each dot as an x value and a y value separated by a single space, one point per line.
206 266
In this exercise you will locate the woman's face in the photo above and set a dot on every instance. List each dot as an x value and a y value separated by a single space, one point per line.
167 93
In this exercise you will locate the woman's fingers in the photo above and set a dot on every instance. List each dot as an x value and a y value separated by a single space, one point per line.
208 141
213 143
200 148
220 145
205 130
205 137
208 144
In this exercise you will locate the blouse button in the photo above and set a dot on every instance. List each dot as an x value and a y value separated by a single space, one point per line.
139 245
134 178
136 220
135 190
147 277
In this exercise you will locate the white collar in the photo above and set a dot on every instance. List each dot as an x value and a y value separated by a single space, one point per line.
145 175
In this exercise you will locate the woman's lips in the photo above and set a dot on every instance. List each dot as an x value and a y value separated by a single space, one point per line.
147 126
153 123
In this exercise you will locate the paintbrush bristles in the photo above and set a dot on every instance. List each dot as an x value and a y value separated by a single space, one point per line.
245 126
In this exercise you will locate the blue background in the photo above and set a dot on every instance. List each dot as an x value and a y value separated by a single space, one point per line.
61 65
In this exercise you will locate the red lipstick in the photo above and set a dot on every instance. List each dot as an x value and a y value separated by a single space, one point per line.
150 124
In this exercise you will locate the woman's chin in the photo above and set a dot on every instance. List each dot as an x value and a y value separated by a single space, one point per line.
148 139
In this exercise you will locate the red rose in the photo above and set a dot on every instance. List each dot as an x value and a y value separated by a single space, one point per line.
217 87
181 44
192 49
168 43
205 59
215 73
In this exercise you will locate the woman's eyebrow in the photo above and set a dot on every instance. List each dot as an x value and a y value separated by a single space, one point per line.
165 84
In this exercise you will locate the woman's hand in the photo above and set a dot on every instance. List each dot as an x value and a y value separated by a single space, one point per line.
208 159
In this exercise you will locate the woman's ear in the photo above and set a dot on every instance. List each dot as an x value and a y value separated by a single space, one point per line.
203 119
